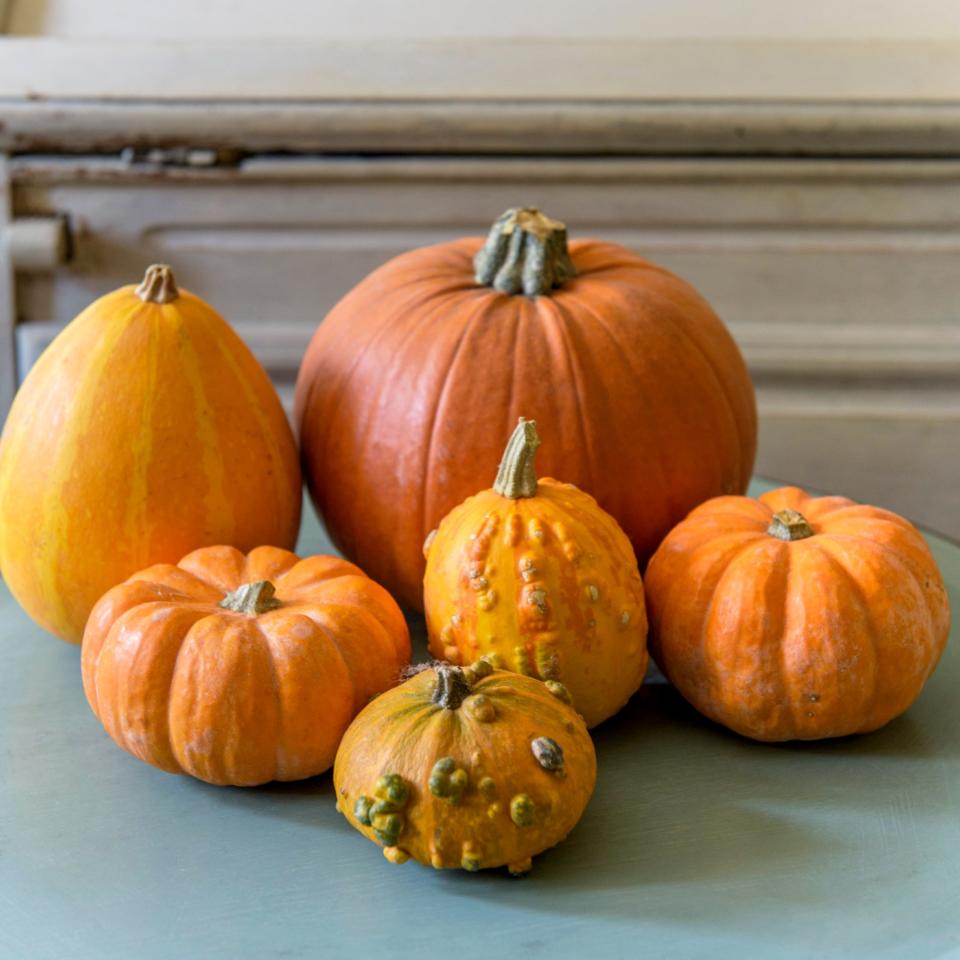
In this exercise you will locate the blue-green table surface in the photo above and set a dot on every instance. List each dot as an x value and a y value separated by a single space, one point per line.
697 843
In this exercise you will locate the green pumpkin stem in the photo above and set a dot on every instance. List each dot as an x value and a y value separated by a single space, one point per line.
516 477
158 285
251 598
790 525
525 252
452 687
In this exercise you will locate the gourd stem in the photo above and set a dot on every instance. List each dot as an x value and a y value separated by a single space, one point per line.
525 252
252 598
452 687
790 525
516 477
158 285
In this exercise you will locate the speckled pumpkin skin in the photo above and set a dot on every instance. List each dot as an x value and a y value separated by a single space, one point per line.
548 585
237 698
506 807
820 637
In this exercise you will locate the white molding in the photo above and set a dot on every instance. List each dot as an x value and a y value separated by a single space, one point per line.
502 69
598 128
921 355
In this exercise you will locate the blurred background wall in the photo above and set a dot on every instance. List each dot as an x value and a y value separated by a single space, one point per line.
800 164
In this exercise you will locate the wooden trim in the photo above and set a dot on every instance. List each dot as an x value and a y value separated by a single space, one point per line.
601 128
916 354
482 70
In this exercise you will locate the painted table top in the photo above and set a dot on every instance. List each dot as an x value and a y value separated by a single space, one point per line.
696 844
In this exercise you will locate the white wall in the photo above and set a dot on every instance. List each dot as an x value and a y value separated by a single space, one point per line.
815 19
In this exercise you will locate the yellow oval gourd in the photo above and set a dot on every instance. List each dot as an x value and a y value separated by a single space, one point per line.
147 429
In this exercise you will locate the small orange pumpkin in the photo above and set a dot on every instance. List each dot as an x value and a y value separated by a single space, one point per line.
241 669
147 429
535 574
796 617
468 768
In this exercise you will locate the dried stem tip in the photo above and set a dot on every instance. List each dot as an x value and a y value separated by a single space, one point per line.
158 285
789 525
251 598
516 477
452 687
525 252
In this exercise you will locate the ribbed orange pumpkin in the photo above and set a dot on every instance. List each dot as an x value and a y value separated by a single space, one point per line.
536 575
466 769
147 429
796 617
239 670
414 378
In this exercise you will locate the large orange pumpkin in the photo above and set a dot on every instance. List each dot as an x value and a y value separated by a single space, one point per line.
414 378
145 430
241 669
533 573
796 617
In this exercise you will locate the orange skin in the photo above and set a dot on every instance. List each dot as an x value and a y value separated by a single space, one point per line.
820 637
144 431
548 585
403 732
415 377
237 698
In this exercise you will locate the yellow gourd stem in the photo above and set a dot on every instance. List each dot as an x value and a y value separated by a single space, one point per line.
516 477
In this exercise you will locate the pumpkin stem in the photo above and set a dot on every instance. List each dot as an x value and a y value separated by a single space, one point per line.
525 251
251 598
452 687
516 477
158 285
789 525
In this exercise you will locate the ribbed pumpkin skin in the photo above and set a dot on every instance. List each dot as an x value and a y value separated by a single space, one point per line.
821 637
143 432
235 698
403 732
548 585
414 378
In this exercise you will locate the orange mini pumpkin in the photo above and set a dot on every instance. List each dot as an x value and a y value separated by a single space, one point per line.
535 574
796 617
469 768
241 669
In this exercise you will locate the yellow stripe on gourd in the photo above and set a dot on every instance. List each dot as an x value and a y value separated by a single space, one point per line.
55 540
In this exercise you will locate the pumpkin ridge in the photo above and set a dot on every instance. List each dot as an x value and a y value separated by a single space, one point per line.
47 557
625 357
171 700
729 568
385 382
269 438
572 357
728 405
484 308
825 547
137 514
264 641
218 509
894 560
